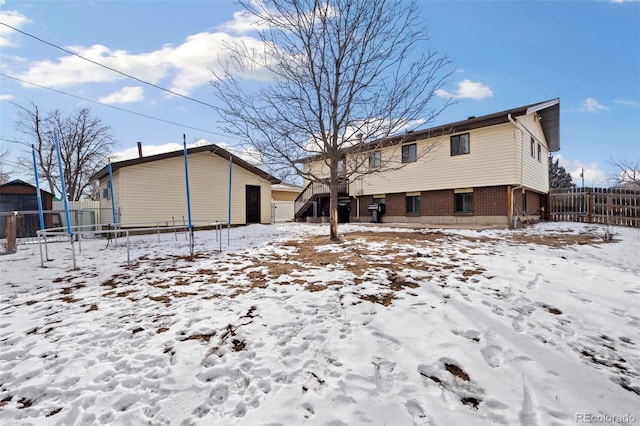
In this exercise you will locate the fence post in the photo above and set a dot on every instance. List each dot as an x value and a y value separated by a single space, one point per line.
590 206
12 243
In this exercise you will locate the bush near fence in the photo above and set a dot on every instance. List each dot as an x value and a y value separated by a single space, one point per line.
608 206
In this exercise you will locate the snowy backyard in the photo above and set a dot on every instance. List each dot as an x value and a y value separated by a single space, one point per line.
392 326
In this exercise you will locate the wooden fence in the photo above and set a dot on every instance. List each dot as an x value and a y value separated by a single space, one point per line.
608 206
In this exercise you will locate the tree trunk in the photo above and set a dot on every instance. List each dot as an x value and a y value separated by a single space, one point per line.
333 208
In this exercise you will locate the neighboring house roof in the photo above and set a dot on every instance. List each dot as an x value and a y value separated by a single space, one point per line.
18 182
288 187
549 112
206 148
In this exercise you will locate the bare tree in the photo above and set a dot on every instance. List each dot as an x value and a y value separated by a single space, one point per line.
344 75
85 143
628 172
4 174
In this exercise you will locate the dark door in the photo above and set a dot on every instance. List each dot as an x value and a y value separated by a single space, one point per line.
253 204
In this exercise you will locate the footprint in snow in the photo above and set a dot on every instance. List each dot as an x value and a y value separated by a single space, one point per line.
492 352
383 375
417 413
528 414
392 341
534 282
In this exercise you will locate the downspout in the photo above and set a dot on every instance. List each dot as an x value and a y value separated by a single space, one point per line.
520 186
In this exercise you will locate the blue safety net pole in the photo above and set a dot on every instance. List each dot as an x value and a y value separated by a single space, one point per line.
62 184
113 203
186 179
35 171
229 212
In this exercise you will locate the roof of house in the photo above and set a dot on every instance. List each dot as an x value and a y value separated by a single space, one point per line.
206 148
548 111
288 187
18 182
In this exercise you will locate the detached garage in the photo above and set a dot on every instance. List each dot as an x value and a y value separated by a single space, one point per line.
20 196
152 189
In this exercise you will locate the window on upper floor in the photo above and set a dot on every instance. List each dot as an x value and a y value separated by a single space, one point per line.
533 148
540 153
409 153
342 167
413 204
460 144
375 159
463 202
105 194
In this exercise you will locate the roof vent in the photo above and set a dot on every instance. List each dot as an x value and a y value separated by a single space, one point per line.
471 117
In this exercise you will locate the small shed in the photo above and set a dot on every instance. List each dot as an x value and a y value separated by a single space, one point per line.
20 196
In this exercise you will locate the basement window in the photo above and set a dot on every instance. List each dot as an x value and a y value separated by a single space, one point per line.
463 202
413 204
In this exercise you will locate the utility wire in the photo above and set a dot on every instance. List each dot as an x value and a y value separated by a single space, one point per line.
115 107
109 68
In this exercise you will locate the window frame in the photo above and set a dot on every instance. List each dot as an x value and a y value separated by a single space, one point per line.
467 201
413 201
406 156
539 153
342 167
375 159
457 143
533 147
105 194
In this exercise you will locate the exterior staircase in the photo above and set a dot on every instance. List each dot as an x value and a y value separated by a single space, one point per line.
314 191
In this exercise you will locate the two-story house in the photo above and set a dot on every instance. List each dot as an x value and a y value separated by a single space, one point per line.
489 170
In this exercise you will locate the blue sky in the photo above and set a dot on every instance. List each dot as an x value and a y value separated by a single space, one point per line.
506 54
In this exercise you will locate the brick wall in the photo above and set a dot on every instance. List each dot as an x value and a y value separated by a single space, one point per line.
365 200
395 204
533 202
437 203
491 201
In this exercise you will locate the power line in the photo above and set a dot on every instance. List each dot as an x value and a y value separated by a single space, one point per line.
115 107
109 68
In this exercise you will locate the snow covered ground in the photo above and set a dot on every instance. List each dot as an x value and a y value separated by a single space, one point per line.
393 326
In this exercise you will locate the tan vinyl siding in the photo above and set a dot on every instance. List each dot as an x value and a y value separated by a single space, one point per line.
106 214
490 162
156 191
535 174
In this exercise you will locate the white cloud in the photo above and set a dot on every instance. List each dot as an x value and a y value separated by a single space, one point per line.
188 65
13 18
126 95
242 22
149 150
246 153
623 1
468 89
7 97
628 102
593 174
591 105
